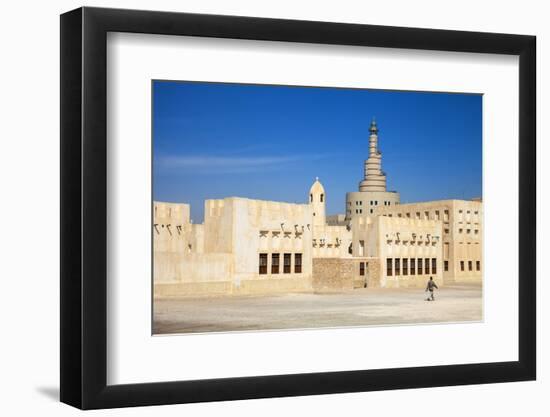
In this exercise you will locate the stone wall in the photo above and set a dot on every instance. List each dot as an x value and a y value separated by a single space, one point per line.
333 274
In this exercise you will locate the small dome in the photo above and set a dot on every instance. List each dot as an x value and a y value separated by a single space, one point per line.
317 187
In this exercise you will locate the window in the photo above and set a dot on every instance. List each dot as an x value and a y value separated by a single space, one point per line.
321 198
275 263
418 215
469 265
437 215
446 215
459 230
398 214
427 215
371 211
298 263
419 266
311 198
376 203
409 215
427 266
389 268
371 203
462 265
397 267
446 265
434 266
468 231
362 268
476 231
405 266
263 263
446 231
478 266
286 265
413 266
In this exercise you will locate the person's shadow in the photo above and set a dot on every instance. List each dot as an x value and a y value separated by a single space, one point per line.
50 392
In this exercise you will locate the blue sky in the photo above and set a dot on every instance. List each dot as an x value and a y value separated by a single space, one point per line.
215 140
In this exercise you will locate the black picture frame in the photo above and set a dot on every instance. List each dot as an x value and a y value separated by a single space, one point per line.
84 207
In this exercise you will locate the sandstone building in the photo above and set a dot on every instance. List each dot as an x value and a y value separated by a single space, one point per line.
253 246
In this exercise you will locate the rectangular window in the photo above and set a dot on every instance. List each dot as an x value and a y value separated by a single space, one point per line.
263 263
405 266
409 215
426 215
413 266
478 266
437 215
389 268
446 215
275 263
298 263
462 265
397 267
469 265
286 265
419 266
446 265
362 268
418 215
427 266
434 266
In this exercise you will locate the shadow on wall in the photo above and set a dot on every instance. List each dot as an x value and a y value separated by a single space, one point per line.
50 392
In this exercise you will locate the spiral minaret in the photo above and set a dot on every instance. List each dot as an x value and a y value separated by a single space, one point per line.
375 179
372 191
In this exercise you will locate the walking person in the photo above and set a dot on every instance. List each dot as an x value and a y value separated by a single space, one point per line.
430 287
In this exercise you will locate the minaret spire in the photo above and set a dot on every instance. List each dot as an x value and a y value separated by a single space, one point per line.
375 179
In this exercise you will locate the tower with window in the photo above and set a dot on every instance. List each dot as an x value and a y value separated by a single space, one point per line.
317 199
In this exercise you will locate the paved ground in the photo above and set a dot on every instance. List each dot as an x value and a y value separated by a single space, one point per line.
360 307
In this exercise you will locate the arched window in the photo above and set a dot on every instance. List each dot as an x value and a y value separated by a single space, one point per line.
322 197
311 198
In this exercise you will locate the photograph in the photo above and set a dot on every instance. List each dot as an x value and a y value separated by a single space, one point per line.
281 207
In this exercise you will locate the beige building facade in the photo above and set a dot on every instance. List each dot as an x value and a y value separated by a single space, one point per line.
462 233
247 246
